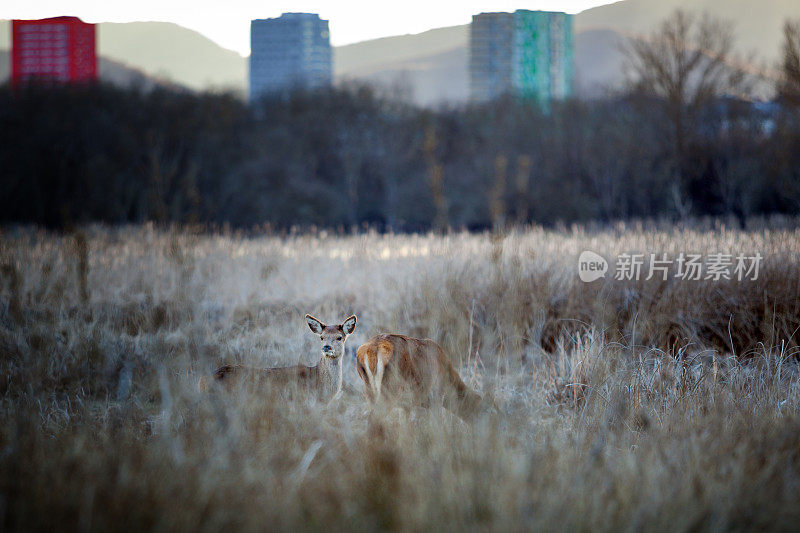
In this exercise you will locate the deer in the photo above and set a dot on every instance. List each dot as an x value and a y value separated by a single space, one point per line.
325 378
390 364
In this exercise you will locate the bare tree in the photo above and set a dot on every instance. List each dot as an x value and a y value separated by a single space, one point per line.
785 159
789 86
441 223
686 61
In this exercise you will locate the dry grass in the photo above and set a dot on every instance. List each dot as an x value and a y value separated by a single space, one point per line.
624 405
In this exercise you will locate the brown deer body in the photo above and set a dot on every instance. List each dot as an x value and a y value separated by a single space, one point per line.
324 379
392 364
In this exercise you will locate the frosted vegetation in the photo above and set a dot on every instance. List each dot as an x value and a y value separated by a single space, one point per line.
623 404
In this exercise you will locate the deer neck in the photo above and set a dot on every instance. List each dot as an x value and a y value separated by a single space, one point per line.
330 374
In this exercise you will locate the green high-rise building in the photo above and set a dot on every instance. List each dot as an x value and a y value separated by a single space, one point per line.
525 53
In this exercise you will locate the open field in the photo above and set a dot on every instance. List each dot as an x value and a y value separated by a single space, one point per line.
655 405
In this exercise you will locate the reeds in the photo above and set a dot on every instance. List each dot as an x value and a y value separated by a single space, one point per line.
623 405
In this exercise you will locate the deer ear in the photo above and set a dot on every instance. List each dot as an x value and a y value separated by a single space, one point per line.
315 325
349 325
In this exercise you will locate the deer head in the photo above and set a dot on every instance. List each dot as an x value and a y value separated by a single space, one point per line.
332 337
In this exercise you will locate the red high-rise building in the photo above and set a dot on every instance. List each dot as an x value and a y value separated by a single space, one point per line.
60 49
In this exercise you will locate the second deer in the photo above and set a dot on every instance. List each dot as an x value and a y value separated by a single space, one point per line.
324 379
391 364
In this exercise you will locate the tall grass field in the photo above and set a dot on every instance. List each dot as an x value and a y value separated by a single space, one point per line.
622 404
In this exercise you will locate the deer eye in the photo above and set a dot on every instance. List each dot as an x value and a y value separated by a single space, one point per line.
321 338
339 338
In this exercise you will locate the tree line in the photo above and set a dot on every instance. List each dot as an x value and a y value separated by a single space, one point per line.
683 140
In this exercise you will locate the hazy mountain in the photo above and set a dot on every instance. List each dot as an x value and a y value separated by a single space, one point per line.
431 67
758 24
109 70
599 62
428 68
372 55
173 52
433 78
160 50
599 34
5 65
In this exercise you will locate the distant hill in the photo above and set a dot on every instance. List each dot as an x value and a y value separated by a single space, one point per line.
159 50
120 74
431 67
599 62
758 24
405 64
599 34
172 52
109 70
372 56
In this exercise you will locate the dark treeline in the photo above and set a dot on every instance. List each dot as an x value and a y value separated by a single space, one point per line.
348 157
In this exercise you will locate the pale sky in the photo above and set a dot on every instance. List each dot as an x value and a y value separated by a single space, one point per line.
227 22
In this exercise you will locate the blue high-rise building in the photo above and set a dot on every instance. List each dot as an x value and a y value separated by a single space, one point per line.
292 51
